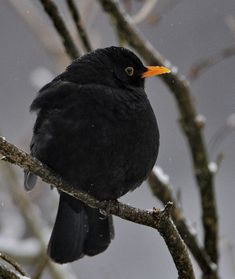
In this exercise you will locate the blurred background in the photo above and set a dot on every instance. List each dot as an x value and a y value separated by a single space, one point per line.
186 32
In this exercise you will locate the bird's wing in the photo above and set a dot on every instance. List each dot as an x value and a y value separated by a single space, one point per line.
48 98
52 94
60 96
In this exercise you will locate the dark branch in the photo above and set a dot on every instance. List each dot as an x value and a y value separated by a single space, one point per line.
52 11
207 63
40 268
167 230
164 194
13 263
6 273
78 22
181 92
157 219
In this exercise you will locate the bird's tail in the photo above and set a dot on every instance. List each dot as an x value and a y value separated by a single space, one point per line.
79 230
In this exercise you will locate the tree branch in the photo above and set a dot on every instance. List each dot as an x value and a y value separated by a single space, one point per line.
179 88
157 219
6 273
145 10
13 263
168 231
164 194
52 11
40 268
78 22
206 63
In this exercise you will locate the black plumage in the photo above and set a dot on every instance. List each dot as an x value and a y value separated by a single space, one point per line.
95 127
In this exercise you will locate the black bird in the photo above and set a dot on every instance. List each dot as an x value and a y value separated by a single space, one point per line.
95 127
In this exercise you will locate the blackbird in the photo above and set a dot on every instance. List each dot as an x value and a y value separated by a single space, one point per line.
95 127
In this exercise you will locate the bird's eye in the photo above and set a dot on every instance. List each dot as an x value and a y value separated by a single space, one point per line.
129 71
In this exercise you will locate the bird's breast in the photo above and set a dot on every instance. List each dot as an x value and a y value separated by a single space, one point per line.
105 145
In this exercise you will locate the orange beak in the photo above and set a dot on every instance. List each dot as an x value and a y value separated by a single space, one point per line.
155 71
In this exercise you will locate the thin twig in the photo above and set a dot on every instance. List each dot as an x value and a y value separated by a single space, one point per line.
31 14
179 88
79 26
159 220
146 9
206 63
41 266
163 192
53 12
13 263
220 135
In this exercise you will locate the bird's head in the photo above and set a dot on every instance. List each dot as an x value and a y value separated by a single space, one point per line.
112 66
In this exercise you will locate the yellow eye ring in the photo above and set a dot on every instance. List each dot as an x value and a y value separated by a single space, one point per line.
129 71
